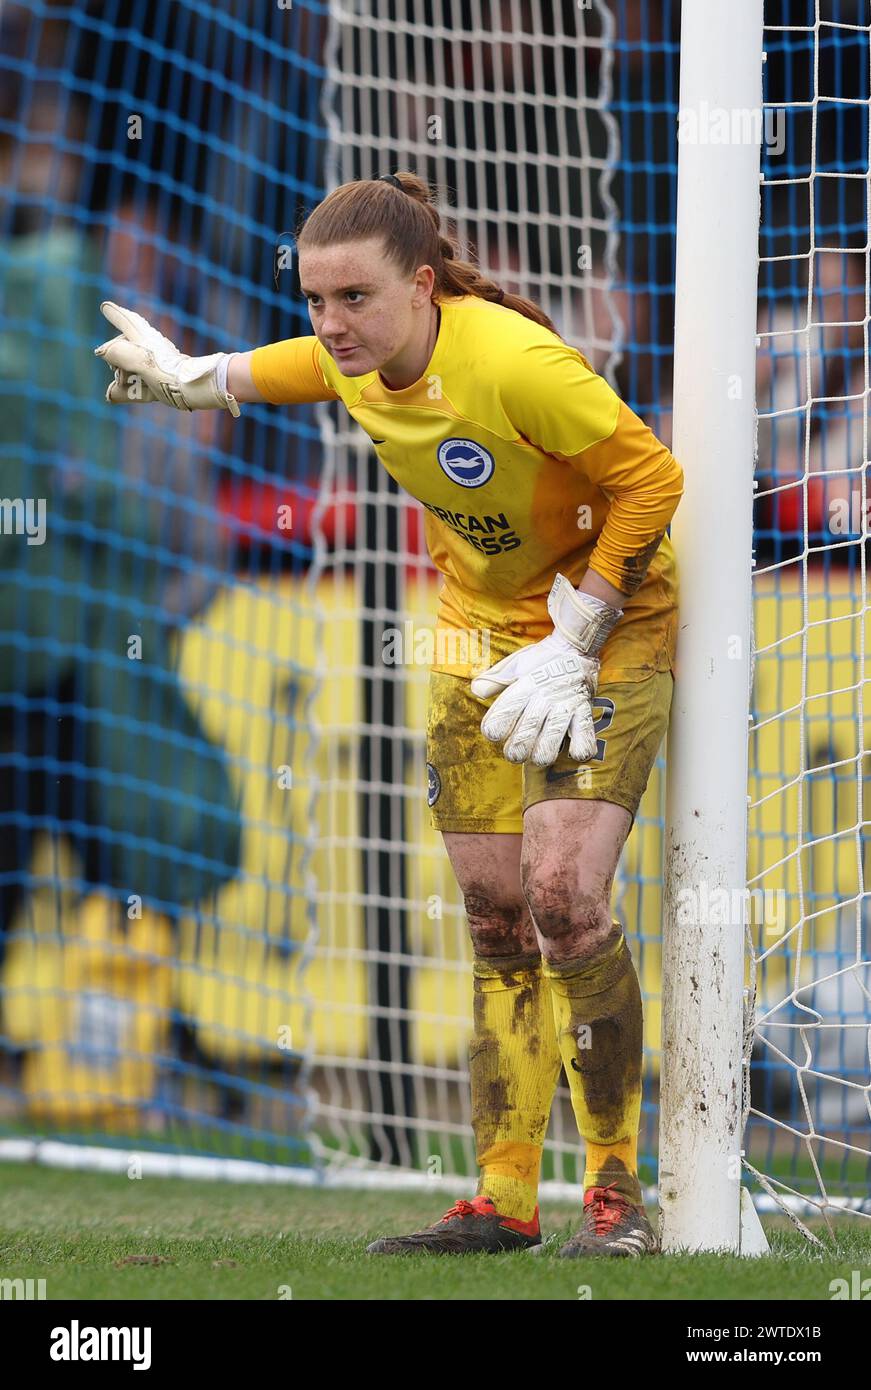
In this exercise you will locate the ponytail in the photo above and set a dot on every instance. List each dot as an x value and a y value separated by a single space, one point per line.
400 209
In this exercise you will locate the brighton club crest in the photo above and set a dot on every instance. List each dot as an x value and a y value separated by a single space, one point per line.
466 462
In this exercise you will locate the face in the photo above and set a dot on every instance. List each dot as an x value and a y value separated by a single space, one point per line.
362 308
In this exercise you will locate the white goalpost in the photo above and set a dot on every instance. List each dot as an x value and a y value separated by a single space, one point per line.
706 833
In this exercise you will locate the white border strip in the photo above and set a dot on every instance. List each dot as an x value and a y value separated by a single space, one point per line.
53 1153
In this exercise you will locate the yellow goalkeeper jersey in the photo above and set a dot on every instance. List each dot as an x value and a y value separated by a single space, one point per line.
527 462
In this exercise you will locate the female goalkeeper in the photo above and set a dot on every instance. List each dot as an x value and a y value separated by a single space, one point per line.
547 502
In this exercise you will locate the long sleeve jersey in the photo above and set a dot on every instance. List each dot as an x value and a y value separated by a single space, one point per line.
527 462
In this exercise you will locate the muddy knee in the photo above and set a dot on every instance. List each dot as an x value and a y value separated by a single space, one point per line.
572 919
499 928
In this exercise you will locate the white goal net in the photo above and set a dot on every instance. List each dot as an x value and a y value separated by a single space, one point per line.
504 108
809 944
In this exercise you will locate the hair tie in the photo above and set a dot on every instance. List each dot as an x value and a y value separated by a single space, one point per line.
500 298
391 178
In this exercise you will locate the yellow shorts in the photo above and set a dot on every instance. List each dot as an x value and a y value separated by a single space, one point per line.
473 787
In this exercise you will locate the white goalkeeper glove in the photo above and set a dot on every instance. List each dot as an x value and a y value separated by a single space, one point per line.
148 367
546 690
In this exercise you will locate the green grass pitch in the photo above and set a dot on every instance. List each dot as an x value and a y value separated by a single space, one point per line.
92 1236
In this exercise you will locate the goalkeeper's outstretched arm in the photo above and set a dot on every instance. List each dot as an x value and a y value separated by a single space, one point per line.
148 367
240 382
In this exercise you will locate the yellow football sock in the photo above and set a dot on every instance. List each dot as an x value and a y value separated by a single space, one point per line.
597 1010
514 1065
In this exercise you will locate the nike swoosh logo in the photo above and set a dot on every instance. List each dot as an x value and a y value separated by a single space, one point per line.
378 441
552 776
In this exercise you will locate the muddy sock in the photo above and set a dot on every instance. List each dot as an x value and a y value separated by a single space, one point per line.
514 1066
597 1010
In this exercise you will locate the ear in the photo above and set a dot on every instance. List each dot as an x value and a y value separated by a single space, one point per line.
424 281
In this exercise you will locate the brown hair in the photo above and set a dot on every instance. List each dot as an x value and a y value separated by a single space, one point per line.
400 209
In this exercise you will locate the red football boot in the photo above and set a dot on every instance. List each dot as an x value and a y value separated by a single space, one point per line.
612 1226
469 1228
